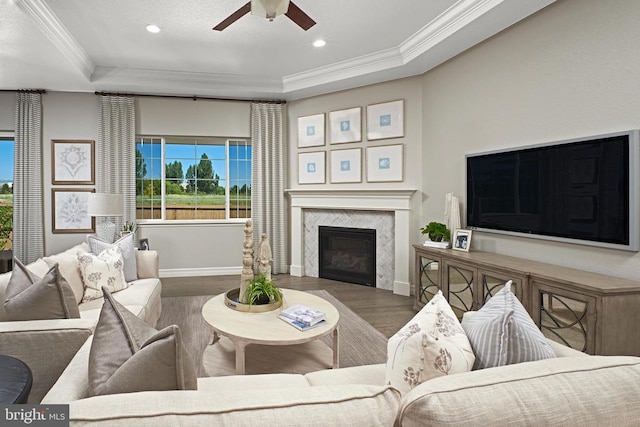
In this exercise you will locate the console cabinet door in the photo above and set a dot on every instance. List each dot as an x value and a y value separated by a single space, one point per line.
565 316
492 281
459 286
428 279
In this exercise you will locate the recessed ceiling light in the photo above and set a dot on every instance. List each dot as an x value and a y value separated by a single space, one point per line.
153 28
319 43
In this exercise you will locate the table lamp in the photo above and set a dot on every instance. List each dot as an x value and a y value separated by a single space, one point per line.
105 205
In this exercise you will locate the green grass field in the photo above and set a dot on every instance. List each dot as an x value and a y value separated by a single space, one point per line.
191 200
6 199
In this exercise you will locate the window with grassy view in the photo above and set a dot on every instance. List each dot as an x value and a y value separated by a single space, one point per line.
6 192
185 178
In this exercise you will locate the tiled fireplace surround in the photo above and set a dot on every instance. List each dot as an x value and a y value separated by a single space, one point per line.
387 211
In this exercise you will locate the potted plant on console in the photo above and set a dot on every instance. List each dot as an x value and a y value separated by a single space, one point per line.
438 233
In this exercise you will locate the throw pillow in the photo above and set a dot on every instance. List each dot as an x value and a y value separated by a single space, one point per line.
431 345
69 267
127 355
503 333
105 269
29 297
128 247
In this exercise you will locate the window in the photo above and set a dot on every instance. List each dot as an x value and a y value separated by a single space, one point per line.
202 178
6 191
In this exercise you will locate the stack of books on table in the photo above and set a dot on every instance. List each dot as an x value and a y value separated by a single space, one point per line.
302 317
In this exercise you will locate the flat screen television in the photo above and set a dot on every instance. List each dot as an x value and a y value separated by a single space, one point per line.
580 191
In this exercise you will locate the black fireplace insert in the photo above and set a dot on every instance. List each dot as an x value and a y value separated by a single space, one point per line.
348 254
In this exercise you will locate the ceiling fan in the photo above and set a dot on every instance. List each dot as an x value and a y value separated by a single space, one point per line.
269 9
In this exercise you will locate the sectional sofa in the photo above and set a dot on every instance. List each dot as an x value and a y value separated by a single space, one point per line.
572 389
47 346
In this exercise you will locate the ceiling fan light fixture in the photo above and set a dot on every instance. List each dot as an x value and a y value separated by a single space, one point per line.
269 8
152 28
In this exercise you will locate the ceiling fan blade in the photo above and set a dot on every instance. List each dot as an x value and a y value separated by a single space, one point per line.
233 17
299 17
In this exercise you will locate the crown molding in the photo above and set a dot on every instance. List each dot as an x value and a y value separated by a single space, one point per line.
57 33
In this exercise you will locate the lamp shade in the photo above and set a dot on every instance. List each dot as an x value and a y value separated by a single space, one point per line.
104 204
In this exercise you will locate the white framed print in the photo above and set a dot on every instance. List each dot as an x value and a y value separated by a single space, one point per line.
385 120
346 165
461 240
72 162
69 211
345 126
311 131
311 167
385 163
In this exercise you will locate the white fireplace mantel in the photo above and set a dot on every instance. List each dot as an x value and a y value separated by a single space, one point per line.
397 201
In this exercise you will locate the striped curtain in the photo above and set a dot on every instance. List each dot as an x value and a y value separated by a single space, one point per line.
28 211
116 151
268 130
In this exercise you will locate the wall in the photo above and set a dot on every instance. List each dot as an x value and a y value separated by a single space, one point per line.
204 248
571 70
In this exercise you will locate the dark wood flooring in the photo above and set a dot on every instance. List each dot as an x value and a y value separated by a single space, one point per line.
384 310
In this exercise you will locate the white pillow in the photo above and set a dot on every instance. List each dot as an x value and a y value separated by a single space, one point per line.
101 270
430 345
126 243
502 333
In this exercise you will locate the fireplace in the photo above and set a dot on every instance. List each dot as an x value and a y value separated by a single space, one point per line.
347 254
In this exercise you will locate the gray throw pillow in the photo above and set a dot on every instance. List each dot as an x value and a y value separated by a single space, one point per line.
127 355
126 243
503 333
29 297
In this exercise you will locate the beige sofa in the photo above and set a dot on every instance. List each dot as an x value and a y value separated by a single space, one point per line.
47 346
573 389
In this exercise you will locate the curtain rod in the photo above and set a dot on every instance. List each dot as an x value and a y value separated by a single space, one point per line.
193 97
24 90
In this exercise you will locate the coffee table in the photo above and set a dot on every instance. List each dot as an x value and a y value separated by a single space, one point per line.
244 328
15 380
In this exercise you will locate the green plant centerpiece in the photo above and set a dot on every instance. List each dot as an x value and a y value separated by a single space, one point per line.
261 290
437 232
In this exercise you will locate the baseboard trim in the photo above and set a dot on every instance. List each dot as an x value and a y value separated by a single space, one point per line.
402 288
195 272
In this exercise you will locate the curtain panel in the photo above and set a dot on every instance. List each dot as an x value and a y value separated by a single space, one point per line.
28 211
268 204
115 154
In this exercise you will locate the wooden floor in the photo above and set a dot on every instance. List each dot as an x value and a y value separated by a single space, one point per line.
384 310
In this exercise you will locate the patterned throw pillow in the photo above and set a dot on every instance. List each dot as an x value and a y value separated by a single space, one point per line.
29 297
432 344
503 333
127 355
128 247
105 270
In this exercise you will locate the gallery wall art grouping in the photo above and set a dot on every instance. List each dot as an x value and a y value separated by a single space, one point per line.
384 163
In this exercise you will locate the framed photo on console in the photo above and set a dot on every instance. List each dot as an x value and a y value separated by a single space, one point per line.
461 240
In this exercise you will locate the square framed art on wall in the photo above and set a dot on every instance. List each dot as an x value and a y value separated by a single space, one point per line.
72 162
311 131
345 126
346 165
385 163
311 168
69 211
385 120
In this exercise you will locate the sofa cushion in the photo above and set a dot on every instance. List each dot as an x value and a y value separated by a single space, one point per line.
430 345
503 333
104 270
128 247
345 406
577 391
127 355
29 297
69 267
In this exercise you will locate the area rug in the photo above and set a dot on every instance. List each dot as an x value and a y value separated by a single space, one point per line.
360 343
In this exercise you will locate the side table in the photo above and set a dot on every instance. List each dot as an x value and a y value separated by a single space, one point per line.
15 380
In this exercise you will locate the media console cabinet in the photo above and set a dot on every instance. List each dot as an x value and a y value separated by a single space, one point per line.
590 312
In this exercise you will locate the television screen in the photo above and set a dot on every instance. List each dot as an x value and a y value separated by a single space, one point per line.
579 190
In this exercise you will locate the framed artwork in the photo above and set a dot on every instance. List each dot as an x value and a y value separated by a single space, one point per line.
385 163
385 120
72 162
345 126
143 244
311 168
461 240
311 131
346 165
69 211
